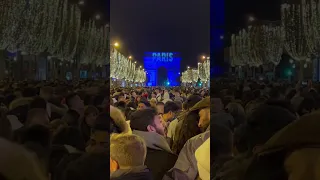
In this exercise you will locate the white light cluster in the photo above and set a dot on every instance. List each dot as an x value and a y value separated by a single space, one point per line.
121 67
36 26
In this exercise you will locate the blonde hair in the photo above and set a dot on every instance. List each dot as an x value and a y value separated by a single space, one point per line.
118 117
128 150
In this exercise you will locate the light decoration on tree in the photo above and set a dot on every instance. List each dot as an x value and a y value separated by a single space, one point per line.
15 18
311 24
255 46
190 75
204 70
272 43
295 42
121 67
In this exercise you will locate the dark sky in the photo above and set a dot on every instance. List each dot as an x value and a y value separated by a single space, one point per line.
93 7
237 12
162 25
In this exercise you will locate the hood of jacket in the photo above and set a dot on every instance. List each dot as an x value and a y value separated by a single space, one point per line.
204 103
302 132
20 102
137 173
154 140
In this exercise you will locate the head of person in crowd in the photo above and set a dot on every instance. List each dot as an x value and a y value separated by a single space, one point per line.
121 97
171 110
128 153
100 132
29 167
147 120
153 102
222 141
118 122
191 101
37 116
39 102
69 136
88 166
46 93
143 104
72 117
74 102
237 112
90 115
29 92
307 105
56 125
264 122
160 107
203 108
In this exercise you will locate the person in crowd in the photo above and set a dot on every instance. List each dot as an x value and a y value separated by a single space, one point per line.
203 160
160 107
88 166
127 158
74 102
147 124
19 163
143 104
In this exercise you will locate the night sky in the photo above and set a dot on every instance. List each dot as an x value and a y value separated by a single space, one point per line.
238 11
162 25
93 7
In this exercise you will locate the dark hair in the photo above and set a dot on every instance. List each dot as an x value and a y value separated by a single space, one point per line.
72 118
37 134
89 166
160 103
145 102
102 122
69 99
222 140
141 119
188 130
29 92
171 106
192 100
38 102
69 136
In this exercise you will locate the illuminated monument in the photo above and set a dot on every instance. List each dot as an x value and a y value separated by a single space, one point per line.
163 68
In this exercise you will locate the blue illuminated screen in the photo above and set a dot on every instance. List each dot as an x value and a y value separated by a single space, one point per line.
163 68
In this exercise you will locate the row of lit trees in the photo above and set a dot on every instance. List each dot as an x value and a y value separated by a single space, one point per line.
201 73
297 34
123 68
55 28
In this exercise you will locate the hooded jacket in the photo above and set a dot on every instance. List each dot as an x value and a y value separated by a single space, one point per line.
159 155
296 148
138 173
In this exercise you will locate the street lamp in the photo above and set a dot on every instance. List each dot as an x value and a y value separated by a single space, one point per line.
116 44
98 17
203 57
251 19
135 62
130 57
140 66
188 67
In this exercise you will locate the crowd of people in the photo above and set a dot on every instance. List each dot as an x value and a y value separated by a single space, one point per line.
68 131
272 133
54 130
165 134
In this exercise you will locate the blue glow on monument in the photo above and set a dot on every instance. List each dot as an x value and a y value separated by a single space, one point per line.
163 68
